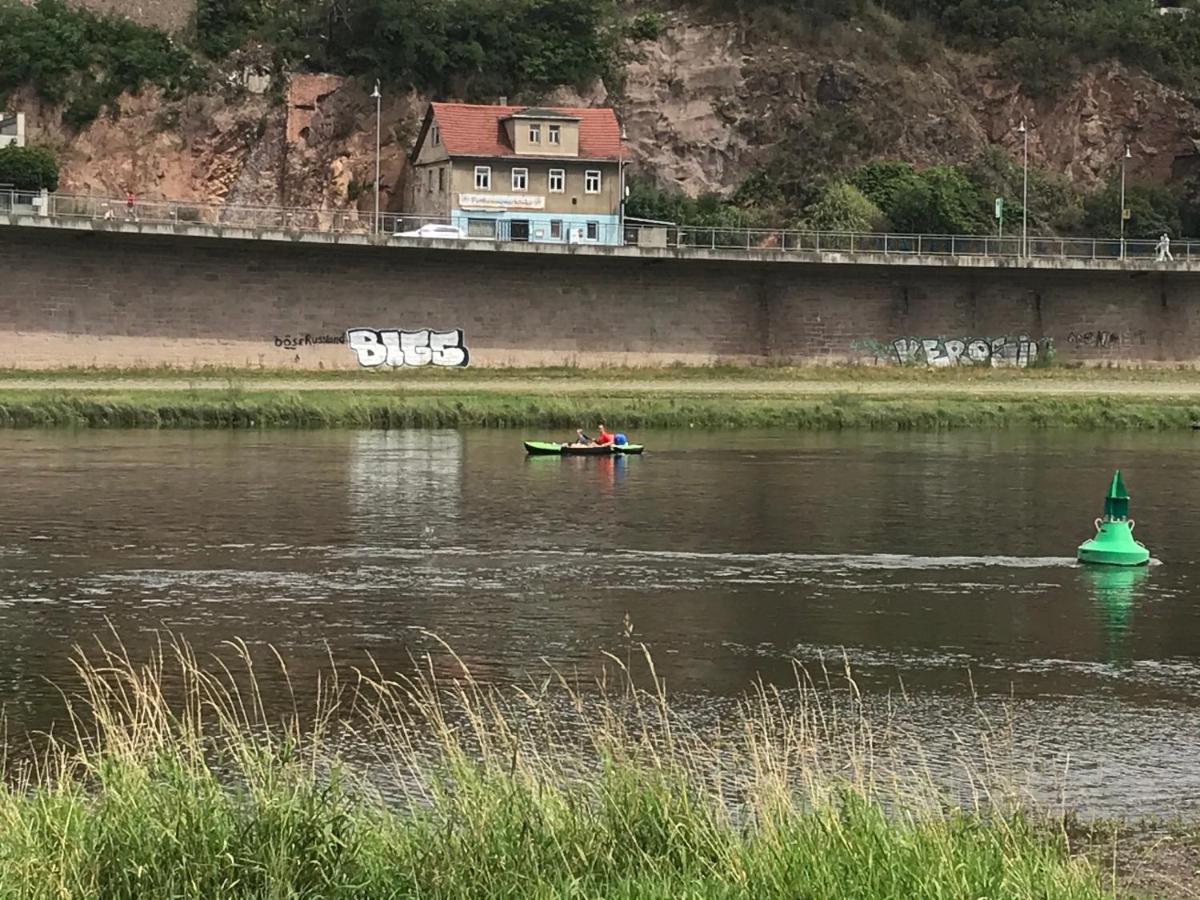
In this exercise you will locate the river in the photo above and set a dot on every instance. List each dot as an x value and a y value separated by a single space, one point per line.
942 563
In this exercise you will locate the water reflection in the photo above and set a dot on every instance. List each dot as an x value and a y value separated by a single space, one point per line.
407 482
1113 590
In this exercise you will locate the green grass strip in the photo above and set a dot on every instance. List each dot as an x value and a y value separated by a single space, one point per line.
377 409
177 782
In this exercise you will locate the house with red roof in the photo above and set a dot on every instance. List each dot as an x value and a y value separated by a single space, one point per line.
510 173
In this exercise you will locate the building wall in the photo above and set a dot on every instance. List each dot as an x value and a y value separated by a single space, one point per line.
12 129
554 228
518 137
107 299
574 200
426 194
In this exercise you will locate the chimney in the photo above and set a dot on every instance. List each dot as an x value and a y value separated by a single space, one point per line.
503 101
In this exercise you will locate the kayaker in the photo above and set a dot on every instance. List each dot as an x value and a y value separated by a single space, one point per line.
582 440
603 439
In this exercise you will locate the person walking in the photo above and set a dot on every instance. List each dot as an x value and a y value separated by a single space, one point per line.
130 207
1164 248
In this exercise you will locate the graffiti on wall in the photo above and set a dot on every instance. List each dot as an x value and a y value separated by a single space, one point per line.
1104 340
408 348
1017 351
296 341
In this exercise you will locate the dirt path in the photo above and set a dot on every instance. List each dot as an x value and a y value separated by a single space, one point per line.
1041 387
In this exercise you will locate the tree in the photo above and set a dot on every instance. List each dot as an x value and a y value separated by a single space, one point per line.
843 207
881 182
1152 211
941 201
28 168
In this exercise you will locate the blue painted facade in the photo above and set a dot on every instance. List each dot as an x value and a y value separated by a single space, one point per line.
542 227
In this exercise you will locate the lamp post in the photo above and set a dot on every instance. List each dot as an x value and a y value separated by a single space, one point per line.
1024 132
378 98
1127 156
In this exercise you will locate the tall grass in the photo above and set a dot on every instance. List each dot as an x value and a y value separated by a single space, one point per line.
176 779
373 409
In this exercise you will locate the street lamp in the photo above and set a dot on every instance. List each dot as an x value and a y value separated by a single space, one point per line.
1024 132
1127 156
378 98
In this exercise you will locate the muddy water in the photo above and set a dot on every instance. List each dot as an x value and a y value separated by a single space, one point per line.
939 563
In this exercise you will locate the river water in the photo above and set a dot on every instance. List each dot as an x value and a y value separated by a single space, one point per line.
939 562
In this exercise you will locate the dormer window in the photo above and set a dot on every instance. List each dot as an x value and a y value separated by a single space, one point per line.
554 134
434 137
535 134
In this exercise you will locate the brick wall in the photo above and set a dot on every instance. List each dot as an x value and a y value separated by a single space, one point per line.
69 299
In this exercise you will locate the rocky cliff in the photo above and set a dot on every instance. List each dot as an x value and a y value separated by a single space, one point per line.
704 103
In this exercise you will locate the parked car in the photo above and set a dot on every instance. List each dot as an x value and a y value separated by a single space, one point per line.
442 232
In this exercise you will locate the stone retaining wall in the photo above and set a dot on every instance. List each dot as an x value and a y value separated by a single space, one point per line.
107 300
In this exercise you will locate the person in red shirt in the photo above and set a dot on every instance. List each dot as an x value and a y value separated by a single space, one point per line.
603 439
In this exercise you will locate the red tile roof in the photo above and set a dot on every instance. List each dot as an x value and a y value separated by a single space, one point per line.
470 130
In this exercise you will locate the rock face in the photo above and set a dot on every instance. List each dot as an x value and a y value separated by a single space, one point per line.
316 149
703 105
169 15
706 102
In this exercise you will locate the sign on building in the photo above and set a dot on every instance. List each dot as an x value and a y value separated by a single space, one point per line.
501 201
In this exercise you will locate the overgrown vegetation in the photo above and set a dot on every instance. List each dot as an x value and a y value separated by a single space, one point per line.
1043 42
556 790
84 60
889 195
926 409
474 49
28 168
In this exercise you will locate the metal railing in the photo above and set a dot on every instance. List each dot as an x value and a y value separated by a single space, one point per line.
901 245
301 220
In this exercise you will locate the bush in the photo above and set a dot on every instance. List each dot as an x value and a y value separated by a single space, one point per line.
942 200
881 182
646 26
1152 211
843 207
710 210
83 60
29 168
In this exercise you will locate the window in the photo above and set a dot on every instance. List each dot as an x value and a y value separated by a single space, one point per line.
535 134
558 181
520 180
481 228
593 231
441 179
554 134
483 178
591 181
556 229
435 137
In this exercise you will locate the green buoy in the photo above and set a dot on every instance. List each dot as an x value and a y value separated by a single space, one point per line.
1113 544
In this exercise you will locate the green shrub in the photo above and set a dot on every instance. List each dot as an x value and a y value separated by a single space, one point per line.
1152 211
645 26
942 200
843 207
83 60
29 168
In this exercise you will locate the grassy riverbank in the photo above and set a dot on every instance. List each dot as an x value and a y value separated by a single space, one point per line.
547 792
556 413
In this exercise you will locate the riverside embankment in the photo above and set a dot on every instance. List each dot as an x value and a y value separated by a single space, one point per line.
824 398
